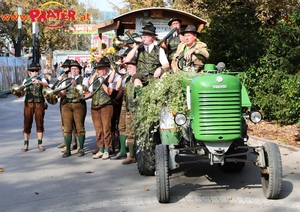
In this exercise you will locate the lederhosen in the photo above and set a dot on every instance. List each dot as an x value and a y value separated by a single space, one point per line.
74 110
102 111
61 103
34 106
130 107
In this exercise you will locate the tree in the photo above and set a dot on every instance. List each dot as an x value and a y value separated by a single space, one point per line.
50 38
130 5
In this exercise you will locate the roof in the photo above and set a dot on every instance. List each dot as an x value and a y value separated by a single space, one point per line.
127 20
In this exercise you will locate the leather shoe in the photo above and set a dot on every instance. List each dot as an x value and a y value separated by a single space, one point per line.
66 154
128 160
25 148
98 155
95 151
62 145
105 156
41 148
80 153
118 156
73 146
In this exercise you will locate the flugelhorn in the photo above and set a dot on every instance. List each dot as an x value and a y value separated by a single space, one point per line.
50 94
17 90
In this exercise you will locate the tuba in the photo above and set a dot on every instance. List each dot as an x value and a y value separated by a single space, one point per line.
17 90
50 94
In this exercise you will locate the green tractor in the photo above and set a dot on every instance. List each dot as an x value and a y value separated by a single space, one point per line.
214 130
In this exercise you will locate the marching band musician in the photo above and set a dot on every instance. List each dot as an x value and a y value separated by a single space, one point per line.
117 98
132 90
73 111
66 73
102 109
120 87
171 43
151 59
34 106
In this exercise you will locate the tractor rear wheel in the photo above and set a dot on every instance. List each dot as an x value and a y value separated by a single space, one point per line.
146 160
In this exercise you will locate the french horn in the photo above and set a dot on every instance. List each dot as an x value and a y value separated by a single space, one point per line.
83 93
50 94
18 90
132 37
118 43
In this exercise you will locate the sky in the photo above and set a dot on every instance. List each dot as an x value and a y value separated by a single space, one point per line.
102 5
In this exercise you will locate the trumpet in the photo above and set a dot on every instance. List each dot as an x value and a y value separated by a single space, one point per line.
17 90
50 94
96 79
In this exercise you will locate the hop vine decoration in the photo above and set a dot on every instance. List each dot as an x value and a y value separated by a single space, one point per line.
160 92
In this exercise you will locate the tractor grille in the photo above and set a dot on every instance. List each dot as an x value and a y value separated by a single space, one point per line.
217 115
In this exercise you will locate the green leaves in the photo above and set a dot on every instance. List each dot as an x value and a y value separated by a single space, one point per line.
165 91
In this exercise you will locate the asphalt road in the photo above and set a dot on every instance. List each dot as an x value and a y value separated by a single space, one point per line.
44 181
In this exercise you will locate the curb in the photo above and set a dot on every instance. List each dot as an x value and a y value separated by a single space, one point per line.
256 139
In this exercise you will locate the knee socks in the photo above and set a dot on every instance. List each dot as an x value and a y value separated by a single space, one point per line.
81 140
122 144
68 140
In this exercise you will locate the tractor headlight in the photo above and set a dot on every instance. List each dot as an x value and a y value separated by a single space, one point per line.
180 119
255 117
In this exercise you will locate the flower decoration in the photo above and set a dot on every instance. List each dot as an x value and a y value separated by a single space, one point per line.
117 43
93 49
111 50
93 55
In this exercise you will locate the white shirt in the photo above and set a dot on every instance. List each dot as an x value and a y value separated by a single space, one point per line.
162 55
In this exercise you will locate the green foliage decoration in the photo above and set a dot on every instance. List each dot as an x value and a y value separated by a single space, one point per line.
160 92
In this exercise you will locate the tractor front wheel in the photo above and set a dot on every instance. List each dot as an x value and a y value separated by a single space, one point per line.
162 173
271 175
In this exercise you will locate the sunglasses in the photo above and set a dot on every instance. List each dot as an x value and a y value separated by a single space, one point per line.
34 70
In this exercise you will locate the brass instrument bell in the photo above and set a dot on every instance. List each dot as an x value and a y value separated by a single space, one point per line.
17 90
50 94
